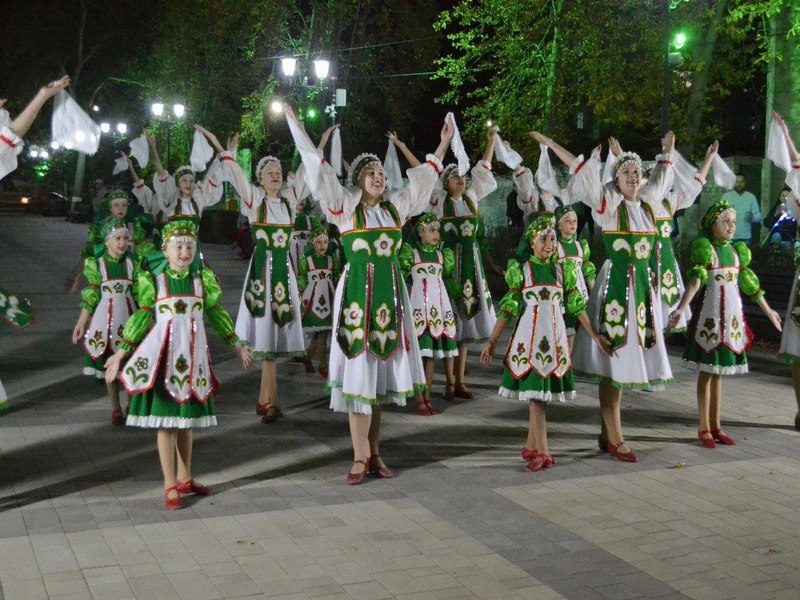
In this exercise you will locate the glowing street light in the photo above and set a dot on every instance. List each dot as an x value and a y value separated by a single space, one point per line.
679 41
105 127
321 67
276 106
288 66
178 110
157 108
122 128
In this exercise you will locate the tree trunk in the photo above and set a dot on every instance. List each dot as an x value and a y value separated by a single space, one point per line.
700 78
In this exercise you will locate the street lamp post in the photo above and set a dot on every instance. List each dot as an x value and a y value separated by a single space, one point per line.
178 110
680 40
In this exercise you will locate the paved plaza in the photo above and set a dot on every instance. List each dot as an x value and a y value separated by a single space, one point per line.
82 504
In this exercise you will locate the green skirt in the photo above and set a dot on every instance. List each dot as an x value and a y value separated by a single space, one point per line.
720 361
444 347
535 387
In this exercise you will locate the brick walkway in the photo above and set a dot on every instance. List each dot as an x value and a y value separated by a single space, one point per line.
81 504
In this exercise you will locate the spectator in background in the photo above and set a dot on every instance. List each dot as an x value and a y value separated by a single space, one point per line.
747 211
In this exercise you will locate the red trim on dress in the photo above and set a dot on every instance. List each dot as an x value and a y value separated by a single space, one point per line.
227 158
336 213
602 207
579 167
435 167
7 141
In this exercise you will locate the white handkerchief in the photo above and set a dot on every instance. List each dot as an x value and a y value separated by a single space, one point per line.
684 173
391 166
201 152
545 174
506 155
608 169
777 151
140 150
120 165
336 152
72 128
458 146
723 176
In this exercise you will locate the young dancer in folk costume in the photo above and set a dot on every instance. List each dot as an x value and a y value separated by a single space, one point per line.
790 339
431 268
376 357
13 308
270 312
106 305
169 374
718 334
456 205
115 205
178 196
319 272
570 248
624 305
538 370
671 286
306 220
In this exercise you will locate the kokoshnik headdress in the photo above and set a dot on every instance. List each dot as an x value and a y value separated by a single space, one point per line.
262 164
627 158
361 162
184 170
113 226
179 230
540 226
715 212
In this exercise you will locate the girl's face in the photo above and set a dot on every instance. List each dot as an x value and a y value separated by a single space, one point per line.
429 237
456 184
180 254
629 179
568 224
320 245
186 185
725 226
119 209
272 179
117 244
372 181
544 245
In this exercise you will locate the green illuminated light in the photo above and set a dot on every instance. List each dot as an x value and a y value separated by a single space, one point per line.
679 41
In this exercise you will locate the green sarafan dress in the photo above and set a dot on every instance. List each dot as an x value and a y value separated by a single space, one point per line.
433 290
169 375
109 298
577 252
537 360
718 334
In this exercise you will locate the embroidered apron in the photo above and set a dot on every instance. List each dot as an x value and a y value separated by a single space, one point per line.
271 255
318 295
371 314
667 264
630 273
111 313
539 342
460 235
431 304
721 320
15 309
178 336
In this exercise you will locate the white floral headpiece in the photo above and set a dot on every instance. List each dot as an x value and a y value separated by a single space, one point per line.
361 162
627 158
262 164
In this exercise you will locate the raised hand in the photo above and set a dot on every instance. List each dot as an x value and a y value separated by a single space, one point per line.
712 149
668 144
52 88
542 139
212 139
614 146
233 142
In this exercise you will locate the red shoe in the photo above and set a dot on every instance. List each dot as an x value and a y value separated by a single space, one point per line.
549 461
623 456
706 438
529 455
192 487
422 409
462 392
450 394
117 418
537 464
174 503
261 409
380 471
602 443
722 437
356 478
271 414
323 370
431 410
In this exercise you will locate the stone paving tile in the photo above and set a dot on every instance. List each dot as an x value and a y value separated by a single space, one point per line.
81 504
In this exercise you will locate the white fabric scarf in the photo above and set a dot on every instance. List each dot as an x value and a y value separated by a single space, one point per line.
120 165
458 146
777 151
201 152
140 150
336 152
506 154
684 174
545 174
723 176
608 170
72 128
391 166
